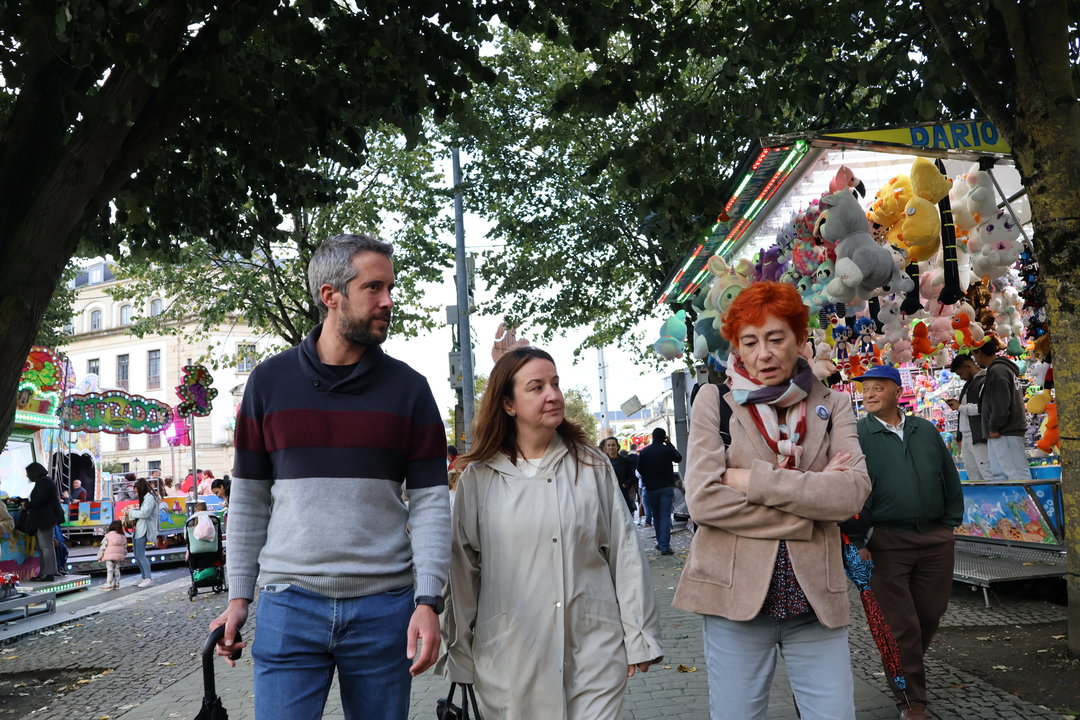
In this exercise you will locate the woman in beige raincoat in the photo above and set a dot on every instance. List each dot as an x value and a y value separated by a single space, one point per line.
550 601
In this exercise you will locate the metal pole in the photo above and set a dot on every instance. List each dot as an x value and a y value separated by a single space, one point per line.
464 337
601 367
1005 200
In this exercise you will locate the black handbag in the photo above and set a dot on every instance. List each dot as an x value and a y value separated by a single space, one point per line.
25 524
447 710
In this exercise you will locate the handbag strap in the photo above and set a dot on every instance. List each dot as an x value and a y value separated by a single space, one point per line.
468 697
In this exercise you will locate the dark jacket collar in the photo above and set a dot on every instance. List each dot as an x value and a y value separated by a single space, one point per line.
324 380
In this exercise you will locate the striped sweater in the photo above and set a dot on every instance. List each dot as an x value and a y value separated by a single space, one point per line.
319 467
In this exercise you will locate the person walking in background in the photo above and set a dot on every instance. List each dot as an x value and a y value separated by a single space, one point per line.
357 588
624 466
969 430
1004 421
146 517
915 504
657 475
46 514
765 567
207 483
112 552
550 601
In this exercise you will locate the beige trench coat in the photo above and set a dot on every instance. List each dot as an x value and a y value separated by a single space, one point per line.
549 596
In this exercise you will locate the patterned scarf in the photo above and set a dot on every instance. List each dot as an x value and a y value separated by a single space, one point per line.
762 400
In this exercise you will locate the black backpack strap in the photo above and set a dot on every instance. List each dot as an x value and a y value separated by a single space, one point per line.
725 416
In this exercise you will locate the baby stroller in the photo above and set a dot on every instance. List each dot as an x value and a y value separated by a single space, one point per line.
206 557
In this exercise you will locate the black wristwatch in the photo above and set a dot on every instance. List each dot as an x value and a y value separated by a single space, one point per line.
435 601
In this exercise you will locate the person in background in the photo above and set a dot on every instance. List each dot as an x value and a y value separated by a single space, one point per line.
624 466
191 483
765 568
915 504
655 463
112 552
78 492
44 509
221 488
207 483
969 430
550 603
146 517
7 524
1003 414
451 455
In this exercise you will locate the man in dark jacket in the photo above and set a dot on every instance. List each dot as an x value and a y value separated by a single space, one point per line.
44 509
969 432
1003 418
915 504
657 475
624 466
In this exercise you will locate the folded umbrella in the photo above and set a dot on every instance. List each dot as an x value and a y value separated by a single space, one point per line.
858 571
212 708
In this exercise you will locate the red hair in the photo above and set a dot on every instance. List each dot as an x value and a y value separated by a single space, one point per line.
756 303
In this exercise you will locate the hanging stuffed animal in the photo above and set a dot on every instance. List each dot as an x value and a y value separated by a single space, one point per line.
922 221
862 265
951 292
729 282
672 339
920 340
842 337
864 329
994 245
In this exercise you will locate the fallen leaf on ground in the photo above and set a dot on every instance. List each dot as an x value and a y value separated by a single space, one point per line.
684 668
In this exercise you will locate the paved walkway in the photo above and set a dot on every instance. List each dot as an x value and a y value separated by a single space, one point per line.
665 691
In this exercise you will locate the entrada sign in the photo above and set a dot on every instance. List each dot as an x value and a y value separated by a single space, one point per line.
115 412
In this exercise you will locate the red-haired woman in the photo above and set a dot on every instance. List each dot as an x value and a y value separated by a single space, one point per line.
550 605
765 568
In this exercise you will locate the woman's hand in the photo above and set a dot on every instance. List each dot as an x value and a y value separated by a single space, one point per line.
737 479
838 462
643 667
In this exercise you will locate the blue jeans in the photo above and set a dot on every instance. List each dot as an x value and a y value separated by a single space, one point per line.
741 658
139 546
660 502
302 636
645 508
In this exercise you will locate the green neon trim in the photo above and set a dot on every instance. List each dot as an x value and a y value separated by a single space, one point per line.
742 185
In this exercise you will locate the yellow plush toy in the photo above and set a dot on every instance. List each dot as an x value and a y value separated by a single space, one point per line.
922 223
888 208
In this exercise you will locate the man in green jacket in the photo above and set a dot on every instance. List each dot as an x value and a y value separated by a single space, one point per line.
915 503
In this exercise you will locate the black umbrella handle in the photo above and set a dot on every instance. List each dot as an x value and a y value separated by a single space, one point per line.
208 652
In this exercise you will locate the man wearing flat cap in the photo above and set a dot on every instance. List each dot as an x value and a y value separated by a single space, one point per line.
916 502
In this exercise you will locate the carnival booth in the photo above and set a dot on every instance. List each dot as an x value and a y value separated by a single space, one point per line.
909 245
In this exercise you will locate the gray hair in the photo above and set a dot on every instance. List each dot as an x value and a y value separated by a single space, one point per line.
332 263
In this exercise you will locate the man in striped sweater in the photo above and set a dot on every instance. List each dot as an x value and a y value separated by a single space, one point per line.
351 577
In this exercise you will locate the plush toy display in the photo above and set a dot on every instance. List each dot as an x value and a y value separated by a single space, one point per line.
888 208
862 265
994 245
728 283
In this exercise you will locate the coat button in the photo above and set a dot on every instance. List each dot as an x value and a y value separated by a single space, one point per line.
558 604
549 479
555 540
315 382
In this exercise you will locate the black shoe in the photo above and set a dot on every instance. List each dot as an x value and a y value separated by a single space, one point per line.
667 552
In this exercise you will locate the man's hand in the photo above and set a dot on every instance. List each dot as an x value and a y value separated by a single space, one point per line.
953 403
995 434
737 479
233 619
838 462
643 667
424 626
865 555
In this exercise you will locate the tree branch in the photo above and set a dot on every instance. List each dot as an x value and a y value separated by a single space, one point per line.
986 93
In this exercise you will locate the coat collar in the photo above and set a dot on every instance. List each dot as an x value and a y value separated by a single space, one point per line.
554 454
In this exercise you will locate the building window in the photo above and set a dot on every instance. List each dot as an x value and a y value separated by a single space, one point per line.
93 367
123 443
95 320
245 358
153 369
156 308
125 314
122 372
153 440
97 274
154 464
69 328
125 467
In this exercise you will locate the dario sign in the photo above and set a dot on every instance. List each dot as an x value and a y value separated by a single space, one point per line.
115 412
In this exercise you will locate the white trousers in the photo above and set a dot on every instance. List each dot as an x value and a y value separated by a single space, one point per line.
976 458
1008 460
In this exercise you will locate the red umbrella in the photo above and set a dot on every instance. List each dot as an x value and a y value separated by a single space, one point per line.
858 571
